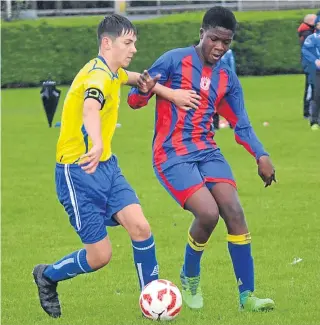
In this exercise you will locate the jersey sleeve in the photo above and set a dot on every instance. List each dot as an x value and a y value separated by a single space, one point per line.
97 85
123 76
162 66
232 108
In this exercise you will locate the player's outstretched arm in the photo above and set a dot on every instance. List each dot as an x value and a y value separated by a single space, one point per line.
232 108
146 86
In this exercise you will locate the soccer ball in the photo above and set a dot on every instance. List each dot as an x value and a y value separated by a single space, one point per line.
160 300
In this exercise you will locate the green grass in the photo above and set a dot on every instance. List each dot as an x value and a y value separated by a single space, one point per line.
283 219
174 18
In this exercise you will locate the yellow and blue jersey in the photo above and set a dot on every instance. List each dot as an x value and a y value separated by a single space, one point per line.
94 80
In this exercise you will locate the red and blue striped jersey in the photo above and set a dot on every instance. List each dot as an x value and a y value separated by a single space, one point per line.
179 135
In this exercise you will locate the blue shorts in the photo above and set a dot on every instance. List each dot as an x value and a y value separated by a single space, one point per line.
184 179
91 200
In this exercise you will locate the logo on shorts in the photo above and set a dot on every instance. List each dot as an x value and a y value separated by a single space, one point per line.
205 83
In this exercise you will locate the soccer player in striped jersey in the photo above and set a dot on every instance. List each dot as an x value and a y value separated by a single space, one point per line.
187 161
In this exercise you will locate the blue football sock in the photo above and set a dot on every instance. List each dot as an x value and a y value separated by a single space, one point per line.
240 252
192 257
68 267
144 254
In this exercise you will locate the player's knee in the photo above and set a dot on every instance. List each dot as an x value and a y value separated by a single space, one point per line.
235 211
234 217
99 258
140 231
208 217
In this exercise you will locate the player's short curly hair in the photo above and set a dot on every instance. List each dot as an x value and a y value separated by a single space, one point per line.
114 25
219 17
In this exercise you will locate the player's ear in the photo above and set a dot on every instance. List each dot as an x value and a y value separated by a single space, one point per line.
201 33
106 42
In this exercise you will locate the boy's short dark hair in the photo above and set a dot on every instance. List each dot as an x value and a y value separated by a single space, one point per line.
114 25
219 17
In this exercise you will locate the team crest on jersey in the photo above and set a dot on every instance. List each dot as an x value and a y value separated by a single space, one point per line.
205 83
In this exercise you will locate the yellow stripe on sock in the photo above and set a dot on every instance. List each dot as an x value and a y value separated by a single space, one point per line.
195 245
239 239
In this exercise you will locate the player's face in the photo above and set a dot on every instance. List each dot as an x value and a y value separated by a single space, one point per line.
123 49
214 43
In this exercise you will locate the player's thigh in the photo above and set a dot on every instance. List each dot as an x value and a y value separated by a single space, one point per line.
84 197
215 169
203 206
230 208
180 180
220 181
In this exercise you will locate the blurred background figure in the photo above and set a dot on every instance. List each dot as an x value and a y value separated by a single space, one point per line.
311 64
230 60
306 29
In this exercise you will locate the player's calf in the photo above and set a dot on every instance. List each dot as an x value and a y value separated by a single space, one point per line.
87 260
206 213
143 244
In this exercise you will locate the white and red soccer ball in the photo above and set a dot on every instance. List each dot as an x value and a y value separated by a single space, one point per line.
160 300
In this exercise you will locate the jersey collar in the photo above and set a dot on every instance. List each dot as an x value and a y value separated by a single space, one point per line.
114 75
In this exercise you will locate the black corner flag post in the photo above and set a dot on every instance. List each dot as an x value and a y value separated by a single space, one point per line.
50 97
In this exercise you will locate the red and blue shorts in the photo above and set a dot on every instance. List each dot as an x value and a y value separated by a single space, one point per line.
183 179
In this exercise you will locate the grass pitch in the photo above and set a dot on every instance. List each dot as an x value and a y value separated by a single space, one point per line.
283 220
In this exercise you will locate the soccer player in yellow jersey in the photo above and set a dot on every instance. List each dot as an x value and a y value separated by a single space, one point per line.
89 182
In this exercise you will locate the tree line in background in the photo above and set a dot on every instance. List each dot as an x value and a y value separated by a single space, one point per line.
260 47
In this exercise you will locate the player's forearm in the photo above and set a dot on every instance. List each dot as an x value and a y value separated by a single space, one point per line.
92 124
248 139
133 78
158 89
164 92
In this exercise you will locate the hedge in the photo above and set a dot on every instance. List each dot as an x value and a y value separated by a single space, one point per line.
32 53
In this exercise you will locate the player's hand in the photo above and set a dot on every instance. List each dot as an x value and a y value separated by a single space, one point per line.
145 82
317 62
266 171
89 162
186 99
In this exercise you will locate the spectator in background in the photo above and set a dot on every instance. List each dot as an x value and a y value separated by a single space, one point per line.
306 29
311 64
229 59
